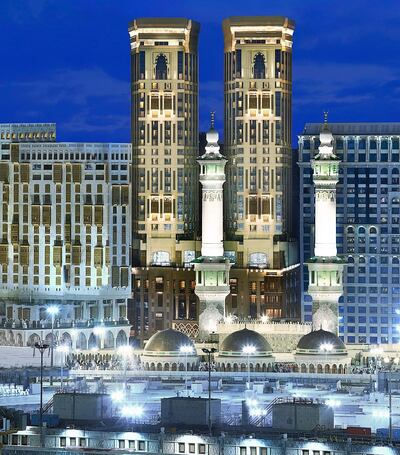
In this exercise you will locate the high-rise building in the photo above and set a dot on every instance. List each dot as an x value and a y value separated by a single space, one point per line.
367 228
257 144
65 238
165 214
164 85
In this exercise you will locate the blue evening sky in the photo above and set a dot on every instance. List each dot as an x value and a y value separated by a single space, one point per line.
67 61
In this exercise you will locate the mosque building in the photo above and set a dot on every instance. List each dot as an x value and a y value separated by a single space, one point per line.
258 345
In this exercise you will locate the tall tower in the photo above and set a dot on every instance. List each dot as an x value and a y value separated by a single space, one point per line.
325 268
212 268
164 87
258 122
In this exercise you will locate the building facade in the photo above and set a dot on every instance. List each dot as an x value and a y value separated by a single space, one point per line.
258 111
65 238
164 87
368 215
258 237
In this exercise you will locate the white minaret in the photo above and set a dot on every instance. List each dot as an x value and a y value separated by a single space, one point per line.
212 268
325 268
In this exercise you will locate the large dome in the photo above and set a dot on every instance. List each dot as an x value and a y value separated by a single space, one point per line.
168 342
234 343
321 342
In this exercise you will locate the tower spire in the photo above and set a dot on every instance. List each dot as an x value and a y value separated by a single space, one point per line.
212 119
326 120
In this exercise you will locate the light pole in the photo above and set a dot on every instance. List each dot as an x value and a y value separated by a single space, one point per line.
209 352
125 351
41 346
63 349
249 349
326 347
186 349
53 310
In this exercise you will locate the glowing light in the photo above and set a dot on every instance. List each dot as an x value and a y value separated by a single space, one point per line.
186 349
381 413
332 403
53 310
99 330
386 360
94 349
251 402
117 396
264 318
132 411
249 349
229 319
326 347
125 350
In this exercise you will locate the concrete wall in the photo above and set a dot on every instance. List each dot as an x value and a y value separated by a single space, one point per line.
189 411
15 356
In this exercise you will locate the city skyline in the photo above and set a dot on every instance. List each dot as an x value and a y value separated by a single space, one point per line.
83 83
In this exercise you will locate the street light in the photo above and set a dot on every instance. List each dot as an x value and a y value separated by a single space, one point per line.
52 310
264 318
41 346
186 349
63 349
125 351
249 350
209 352
132 412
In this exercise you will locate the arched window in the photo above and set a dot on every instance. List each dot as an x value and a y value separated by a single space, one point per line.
361 260
395 260
350 260
372 260
258 260
161 67
361 230
259 66
161 258
373 230
350 230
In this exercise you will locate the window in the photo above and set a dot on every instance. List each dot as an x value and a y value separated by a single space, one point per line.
258 260
121 444
142 445
63 442
181 447
161 258
188 257
202 448
259 66
161 67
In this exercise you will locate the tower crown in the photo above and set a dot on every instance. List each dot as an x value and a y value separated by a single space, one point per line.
326 142
212 147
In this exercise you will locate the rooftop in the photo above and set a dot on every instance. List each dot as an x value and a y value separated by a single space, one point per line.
361 128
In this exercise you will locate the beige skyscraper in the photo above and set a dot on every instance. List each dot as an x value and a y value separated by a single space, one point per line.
165 180
258 99
164 83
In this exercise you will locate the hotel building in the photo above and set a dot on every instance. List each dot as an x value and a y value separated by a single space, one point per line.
367 229
65 238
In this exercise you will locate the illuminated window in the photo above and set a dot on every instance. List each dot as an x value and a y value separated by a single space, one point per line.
161 67
258 260
188 257
161 258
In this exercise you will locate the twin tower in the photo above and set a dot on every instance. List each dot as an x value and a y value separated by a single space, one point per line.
256 230
257 140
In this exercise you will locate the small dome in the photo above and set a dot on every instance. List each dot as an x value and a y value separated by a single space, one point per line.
321 342
212 136
168 341
234 343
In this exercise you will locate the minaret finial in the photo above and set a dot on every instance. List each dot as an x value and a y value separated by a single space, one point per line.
212 114
326 117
